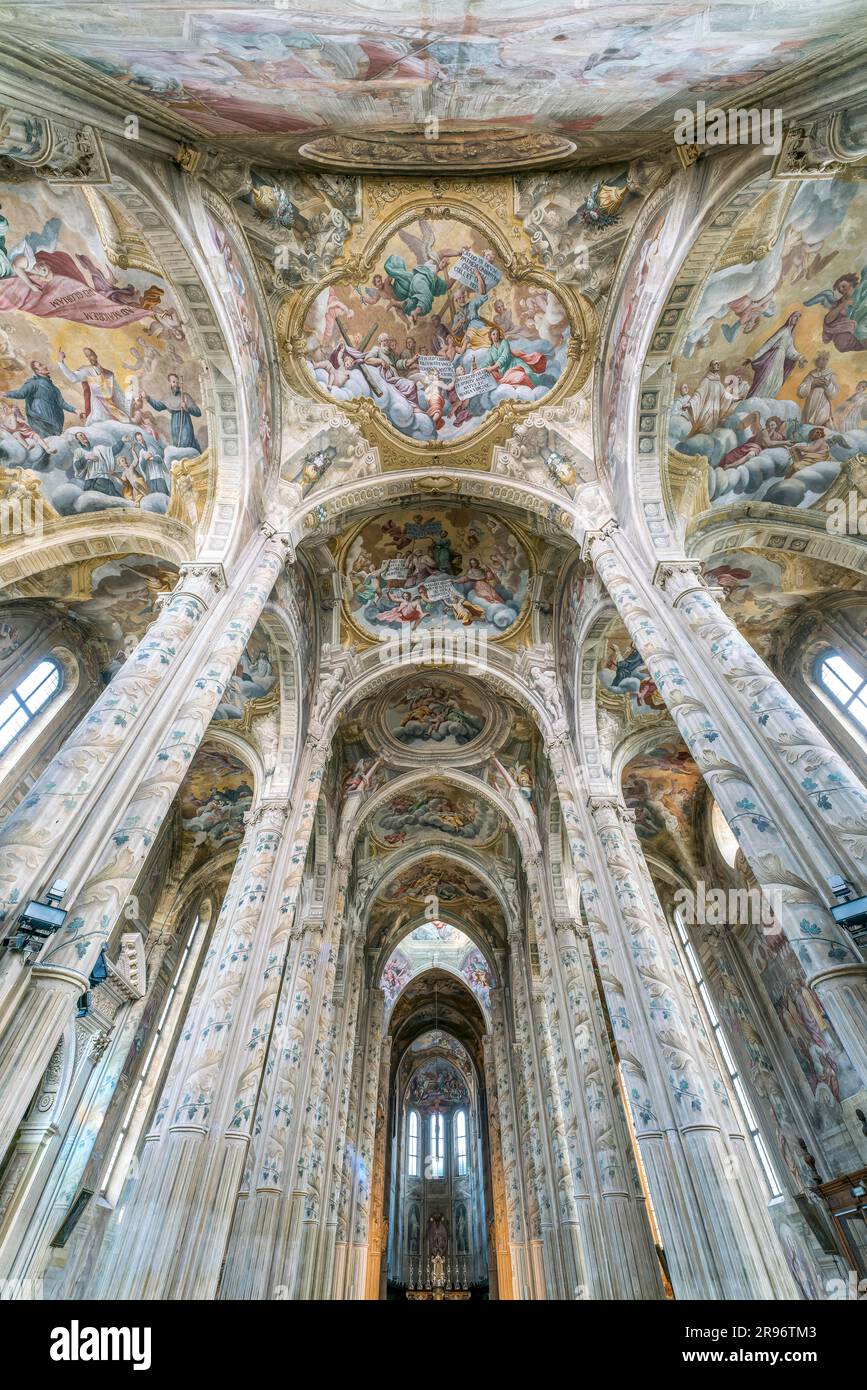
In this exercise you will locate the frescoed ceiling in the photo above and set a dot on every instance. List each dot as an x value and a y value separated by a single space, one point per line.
216 794
662 785
111 599
485 85
770 381
101 388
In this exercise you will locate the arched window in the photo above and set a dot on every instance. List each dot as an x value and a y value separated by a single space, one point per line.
461 1142
29 696
846 686
437 1145
412 1145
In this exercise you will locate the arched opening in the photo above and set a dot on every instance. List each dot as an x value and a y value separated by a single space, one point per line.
436 1163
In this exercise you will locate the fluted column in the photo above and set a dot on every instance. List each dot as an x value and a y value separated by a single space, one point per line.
62 972
718 1238
762 815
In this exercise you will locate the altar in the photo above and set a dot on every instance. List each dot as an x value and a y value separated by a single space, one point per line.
437 1284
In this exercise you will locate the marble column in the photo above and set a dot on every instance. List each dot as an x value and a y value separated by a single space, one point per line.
377 1237
192 1158
343 1083
620 1258
267 1230
718 1239
500 1273
762 816
359 1225
515 1193
822 781
63 969
72 788
546 1262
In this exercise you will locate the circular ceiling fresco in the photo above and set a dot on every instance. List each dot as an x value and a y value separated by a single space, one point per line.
433 713
435 810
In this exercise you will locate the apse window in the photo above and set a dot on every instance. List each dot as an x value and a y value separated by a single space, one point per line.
437 1146
31 695
726 840
412 1145
461 1142
846 686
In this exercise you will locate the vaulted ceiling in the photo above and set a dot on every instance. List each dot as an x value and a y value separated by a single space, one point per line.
416 86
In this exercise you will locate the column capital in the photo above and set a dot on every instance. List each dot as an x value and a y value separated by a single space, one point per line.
270 814
50 149
825 147
598 534
571 926
279 539
608 801
677 578
198 579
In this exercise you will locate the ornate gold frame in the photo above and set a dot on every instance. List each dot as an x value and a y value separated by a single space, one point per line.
395 449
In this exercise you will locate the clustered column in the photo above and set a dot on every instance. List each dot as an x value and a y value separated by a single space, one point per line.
62 972
830 961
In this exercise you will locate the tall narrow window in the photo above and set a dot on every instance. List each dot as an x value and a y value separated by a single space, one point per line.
437 1145
146 1064
412 1145
846 686
27 699
747 1113
461 1142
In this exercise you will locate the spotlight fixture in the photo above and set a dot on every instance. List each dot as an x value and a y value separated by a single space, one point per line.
850 910
40 918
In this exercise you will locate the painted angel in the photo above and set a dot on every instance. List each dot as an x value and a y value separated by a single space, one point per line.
418 288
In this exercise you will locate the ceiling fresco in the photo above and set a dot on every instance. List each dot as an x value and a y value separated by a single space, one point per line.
214 798
364 85
440 336
254 683
766 592
434 810
446 567
100 392
624 678
436 714
771 382
439 878
437 1083
112 597
237 298
661 786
